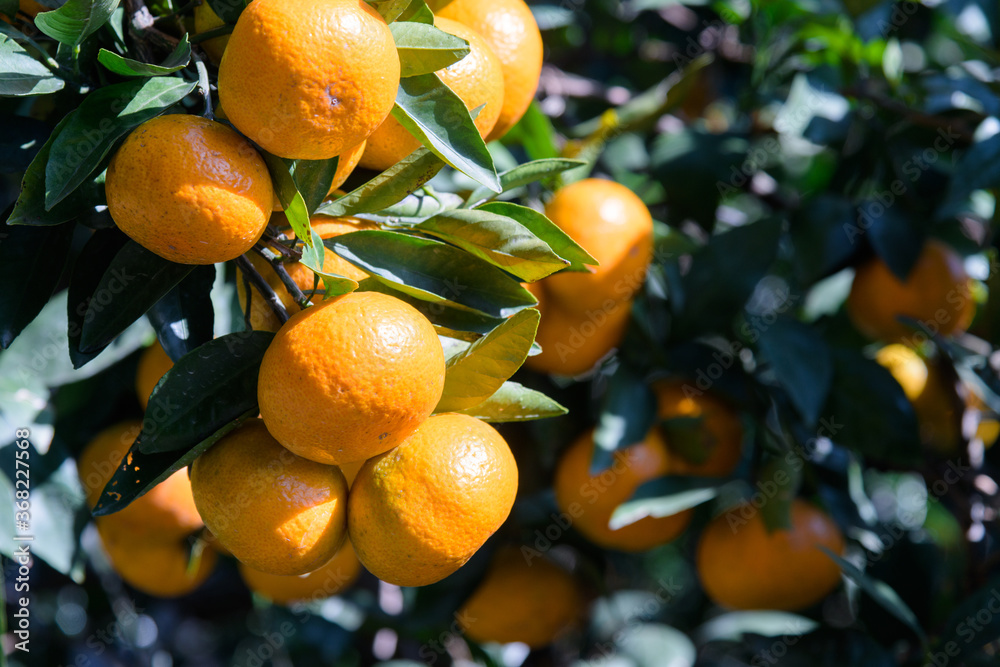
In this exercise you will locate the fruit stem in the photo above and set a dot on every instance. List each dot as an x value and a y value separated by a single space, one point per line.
277 263
203 85
251 274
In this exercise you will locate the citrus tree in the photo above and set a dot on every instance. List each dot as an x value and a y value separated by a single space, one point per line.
350 332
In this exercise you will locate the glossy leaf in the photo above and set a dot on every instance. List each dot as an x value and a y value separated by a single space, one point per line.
438 118
664 497
313 179
100 251
184 318
802 364
433 271
292 201
76 20
514 402
424 49
227 10
477 373
388 188
500 240
21 75
524 174
628 412
559 241
177 60
135 280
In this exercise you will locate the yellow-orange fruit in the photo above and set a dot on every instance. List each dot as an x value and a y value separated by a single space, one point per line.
351 377
153 363
189 189
306 79
274 511
742 566
335 576
714 445
418 512
160 568
206 19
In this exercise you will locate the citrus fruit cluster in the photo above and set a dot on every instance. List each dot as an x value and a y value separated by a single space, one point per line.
584 315
354 380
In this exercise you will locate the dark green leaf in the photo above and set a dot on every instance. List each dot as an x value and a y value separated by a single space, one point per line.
458 323
390 9
177 60
438 118
424 49
433 271
9 9
30 206
977 168
559 241
868 411
879 591
722 277
227 10
802 364
134 281
313 258
897 237
513 402
523 174
663 497
498 239
76 20
627 414
960 639
292 201
825 232
106 115
184 318
33 259
474 375
388 188
21 138
313 179
21 75
205 390
535 132
99 251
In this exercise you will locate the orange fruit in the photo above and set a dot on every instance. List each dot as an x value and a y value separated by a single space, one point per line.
518 601
418 512
351 377
167 511
160 568
590 499
274 511
317 106
189 189
742 566
477 79
153 363
935 401
335 576
350 471
935 293
615 227
345 165
573 341
717 443
262 318
206 19
509 27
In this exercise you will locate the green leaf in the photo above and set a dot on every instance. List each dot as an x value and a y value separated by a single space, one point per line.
438 118
526 173
881 592
535 133
433 271
498 239
416 208
802 364
205 390
897 237
977 168
389 9
30 206
424 49
9 9
33 259
627 414
100 250
460 323
135 280
21 75
177 60
106 115
957 640
334 284
292 201
228 10
731 627
664 497
722 277
313 179
76 20
144 471
824 232
417 12
388 188
513 402
474 375
559 241
184 318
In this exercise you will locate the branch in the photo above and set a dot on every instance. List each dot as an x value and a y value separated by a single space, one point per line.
251 274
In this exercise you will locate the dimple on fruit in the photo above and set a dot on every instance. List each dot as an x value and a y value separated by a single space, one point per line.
350 378
418 512
309 79
206 194
742 566
274 511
